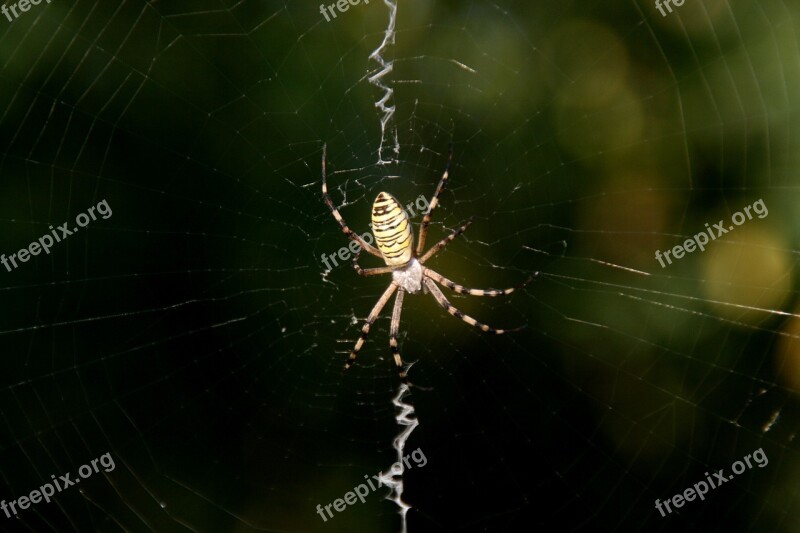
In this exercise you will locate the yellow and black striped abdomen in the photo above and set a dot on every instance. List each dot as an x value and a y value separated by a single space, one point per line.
392 230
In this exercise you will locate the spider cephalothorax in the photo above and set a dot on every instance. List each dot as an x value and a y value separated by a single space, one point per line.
395 245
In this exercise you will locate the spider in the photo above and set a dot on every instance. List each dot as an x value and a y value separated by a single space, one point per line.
395 245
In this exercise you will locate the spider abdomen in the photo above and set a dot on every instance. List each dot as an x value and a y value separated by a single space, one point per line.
392 230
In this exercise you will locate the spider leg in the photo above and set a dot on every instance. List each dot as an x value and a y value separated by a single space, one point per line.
447 306
460 289
373 315
398 307
426 220
444 242
347 231
372 271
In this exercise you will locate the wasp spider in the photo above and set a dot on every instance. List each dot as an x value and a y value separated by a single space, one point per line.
395 245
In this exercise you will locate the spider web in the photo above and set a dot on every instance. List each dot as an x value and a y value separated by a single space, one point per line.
193 334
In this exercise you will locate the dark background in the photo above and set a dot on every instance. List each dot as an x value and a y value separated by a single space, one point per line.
194 334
